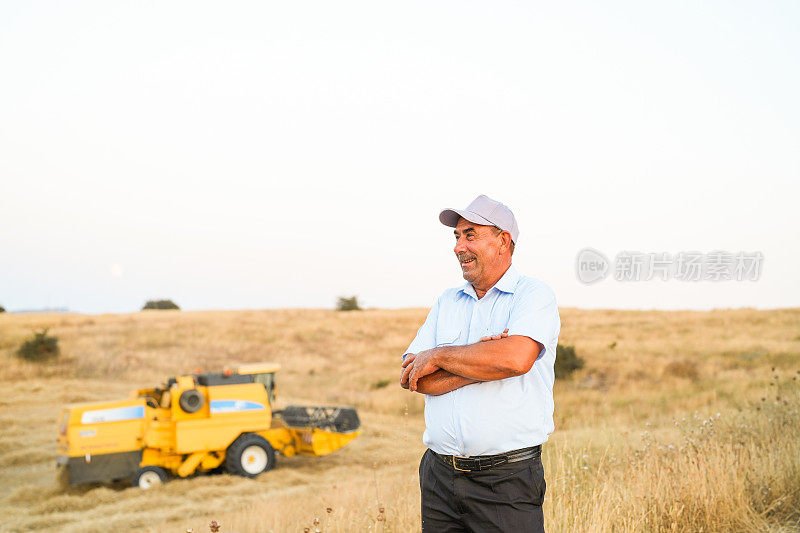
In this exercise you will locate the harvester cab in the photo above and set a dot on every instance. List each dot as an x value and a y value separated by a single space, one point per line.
196 423
263 373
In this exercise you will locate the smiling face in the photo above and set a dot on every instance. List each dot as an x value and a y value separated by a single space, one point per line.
483 253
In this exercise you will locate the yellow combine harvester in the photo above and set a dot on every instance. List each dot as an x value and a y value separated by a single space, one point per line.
195 423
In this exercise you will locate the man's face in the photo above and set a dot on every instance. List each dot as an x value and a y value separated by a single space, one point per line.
478 250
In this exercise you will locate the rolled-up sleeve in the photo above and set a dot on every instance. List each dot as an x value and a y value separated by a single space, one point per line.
535 315
426 335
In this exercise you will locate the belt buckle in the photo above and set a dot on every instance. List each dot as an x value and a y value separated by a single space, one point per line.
454 463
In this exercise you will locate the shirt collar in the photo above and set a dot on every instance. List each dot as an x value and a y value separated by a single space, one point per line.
507 283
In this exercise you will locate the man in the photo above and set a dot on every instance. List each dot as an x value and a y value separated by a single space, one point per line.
484 360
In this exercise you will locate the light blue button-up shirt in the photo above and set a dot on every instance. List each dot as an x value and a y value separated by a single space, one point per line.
493 416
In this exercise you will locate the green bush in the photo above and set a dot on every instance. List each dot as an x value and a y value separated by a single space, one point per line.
160 304
2 309
40 347
347 304
567 361
381 383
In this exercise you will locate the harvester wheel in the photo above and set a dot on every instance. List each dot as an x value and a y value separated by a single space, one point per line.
191 400
149 477
62 477
249 455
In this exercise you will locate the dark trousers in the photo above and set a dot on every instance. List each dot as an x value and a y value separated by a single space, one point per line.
505 498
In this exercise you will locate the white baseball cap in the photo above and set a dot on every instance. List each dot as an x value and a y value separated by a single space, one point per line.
486 212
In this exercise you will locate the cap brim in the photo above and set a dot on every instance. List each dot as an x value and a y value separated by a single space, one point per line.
449 217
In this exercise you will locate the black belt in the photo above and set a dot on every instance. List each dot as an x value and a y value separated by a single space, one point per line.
485 462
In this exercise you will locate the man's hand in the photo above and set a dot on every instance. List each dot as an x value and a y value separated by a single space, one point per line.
495 337
404 373
440 382
417 366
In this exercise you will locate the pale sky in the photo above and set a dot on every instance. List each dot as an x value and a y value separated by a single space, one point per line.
233 155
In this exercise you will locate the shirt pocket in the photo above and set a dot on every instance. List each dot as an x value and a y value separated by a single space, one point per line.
447 337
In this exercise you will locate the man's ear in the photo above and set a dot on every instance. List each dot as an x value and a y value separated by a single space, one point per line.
506 238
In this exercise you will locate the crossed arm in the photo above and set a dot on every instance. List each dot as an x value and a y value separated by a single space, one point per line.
447 368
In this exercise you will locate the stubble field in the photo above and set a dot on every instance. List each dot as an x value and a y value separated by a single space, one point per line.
680 421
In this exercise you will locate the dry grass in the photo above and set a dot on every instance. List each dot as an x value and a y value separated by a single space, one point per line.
639 445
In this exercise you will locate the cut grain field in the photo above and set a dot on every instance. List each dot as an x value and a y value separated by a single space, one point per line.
680 421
